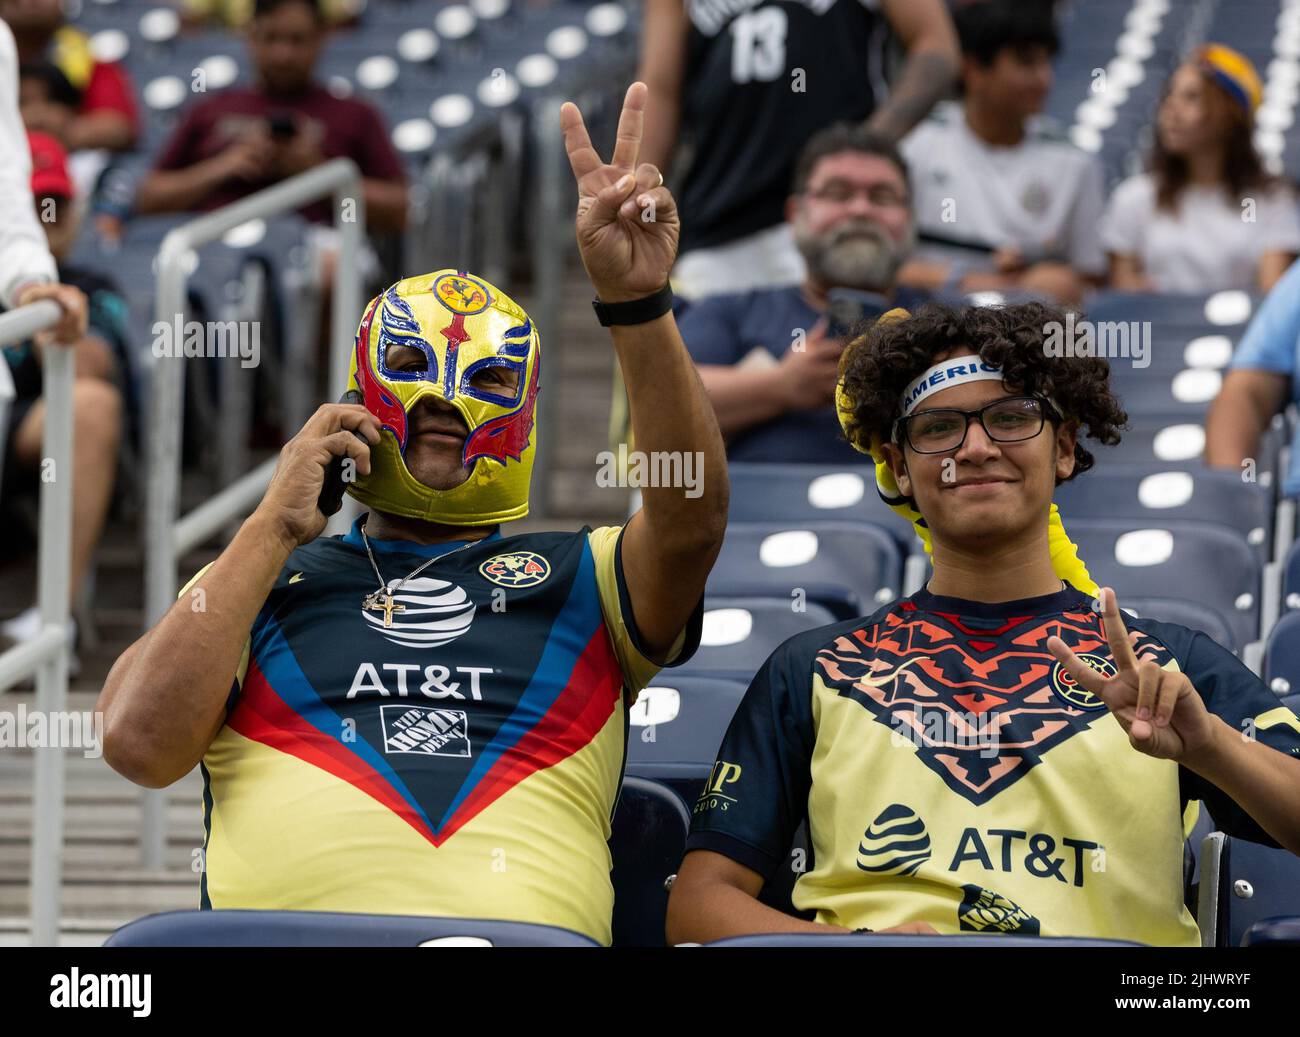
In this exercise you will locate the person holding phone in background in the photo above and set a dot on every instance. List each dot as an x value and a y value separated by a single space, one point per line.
243 139
769 357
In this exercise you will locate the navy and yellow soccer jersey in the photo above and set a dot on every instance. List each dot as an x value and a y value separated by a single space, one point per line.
461 757
952 773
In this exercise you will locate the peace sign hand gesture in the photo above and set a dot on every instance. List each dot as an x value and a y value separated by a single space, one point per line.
627 220
1163 715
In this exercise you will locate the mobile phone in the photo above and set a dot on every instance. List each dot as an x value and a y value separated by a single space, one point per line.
846 308
331 491
282 125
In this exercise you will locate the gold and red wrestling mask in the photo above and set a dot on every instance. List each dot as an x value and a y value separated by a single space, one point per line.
462 325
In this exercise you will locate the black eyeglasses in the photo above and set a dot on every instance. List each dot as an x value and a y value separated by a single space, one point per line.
1006 421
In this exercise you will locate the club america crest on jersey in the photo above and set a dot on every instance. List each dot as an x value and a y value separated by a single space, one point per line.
518 569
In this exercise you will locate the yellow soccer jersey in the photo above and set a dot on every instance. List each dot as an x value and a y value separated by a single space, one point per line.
460 757
952 773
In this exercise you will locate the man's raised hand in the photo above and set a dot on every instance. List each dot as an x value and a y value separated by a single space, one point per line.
627 224
1163 715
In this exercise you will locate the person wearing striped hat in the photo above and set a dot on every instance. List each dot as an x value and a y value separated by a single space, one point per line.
1207 215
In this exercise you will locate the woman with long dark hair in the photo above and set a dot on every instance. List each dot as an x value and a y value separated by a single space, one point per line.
1207 215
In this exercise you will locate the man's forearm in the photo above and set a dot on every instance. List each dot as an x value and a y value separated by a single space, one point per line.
102 129
671 414
385 205
168 190
1262 781
743 398
925 79
162 710
1233 428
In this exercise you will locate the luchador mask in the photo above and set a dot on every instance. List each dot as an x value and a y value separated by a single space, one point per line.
462 324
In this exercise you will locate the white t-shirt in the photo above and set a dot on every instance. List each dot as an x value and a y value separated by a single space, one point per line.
1044 196
1209 243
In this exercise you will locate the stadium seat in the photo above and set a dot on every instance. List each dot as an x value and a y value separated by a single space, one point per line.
1156 497
1291 578
677 724
1185 613
1282 656
902 940
332 929
851 568
740 633
1227 311
1189 561
807 493
1176 445
1273 932
648 838
1244 883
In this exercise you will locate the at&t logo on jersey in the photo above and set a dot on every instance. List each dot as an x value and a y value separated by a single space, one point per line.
518 569
1067 688
426 613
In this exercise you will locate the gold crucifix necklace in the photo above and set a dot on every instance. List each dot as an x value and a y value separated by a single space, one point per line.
382 599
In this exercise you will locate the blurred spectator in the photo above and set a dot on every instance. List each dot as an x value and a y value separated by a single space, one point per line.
245 139
1003 200
750 85
1207 216
106 115
96 396
48 103
769 358
235 14
1263 376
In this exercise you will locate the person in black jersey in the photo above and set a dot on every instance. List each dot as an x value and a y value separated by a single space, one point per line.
995 753
747 82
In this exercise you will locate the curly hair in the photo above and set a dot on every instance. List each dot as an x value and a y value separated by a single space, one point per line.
877 367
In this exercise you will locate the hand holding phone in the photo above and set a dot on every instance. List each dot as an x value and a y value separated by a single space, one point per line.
333 488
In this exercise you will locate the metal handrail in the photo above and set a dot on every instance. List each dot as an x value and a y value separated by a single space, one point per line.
47 655
169 535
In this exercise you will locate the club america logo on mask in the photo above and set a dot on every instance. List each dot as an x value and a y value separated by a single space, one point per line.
1065 686
461 293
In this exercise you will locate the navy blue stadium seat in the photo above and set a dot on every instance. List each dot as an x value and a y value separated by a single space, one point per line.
1191 561
332 929
1202 494
1221 310
648 838
1282 656
849 567
1273 932
1176 445
677 725
1244 883
1186 613
740 633
807 493
902 940
1291 578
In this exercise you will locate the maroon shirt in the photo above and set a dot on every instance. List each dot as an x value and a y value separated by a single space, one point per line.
349 129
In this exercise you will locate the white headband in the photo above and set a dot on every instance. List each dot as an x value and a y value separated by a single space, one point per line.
957 371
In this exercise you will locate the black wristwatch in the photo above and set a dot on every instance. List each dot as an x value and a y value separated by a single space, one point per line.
634 311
